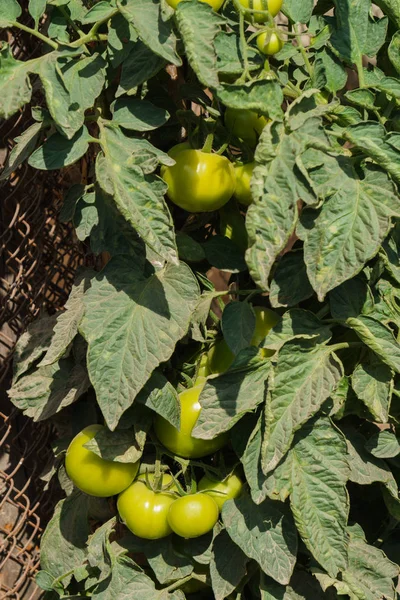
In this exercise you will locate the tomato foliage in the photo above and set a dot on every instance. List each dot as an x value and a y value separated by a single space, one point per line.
308 411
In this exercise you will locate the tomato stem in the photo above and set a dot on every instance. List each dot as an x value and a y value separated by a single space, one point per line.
303 51
177 584
36 33
208 143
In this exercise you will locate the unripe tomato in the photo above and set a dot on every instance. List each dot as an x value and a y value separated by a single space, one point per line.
245 125
230 488
232 225
199 181
243 178
215 4
193 515
145 512
220 357
269 45
181 442
95 475
173 153
273 6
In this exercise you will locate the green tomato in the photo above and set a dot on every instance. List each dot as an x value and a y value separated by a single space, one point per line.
215 4
273 6
193 515
180 441
220 357
145 512
199 181
230 487
232 225
95 475
244 174
269 45
173 153
245 125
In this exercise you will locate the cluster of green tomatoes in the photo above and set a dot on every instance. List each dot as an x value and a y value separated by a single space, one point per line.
153 504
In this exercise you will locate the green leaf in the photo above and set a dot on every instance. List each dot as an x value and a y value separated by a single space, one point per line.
265 533
138 115
372 382
298 12
391 8
62 547
36 10
394 51
329 67
238 324
58 151
222 253
86 216
140 66
350 298
99 548
199 25
229 55
188 249
297 323
159 395
304 378
378 338
47 390
121 39
262 96
303 586
384 444
15 87
153 30
358 210
139 199
84 79
32 344
10 10
98 12
198 324
125 313
319 500
361 97
290 284
227 397
66 327
24 146
227 567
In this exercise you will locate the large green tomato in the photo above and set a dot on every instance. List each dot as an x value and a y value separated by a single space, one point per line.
244 174
220 357
230 488
269 46
145 512
232 225
193 515
245 125
181 442
199 181
173 153
215 4
95 475
273 6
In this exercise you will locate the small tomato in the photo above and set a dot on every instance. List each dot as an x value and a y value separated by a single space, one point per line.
215 4
193 515
95 475
144 511
269 45
245 125
173 153
228 488
273 7
180 441
200 181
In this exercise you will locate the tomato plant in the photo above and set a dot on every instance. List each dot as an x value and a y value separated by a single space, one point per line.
213 324
193 515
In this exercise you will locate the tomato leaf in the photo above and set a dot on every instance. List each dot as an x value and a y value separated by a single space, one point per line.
32 344
299 12
290 284
263 96
10 10
125 313
84 79
383 444
378 338
238 324
15 87
138 115
227 397
227 567
297 323
222 253
304 378
265 533
58 151
141 65
372 382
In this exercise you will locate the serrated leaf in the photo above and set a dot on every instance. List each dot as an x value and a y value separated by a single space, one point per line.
383 444
229 55
10 10
138 115
238 324
378 338
227 566
159 395
86 216
66 327
84 79
32 344
304 378
153 30
62 546
319 500
303 586
120 41
265 533
58 151
98 12
298 12
350 298
227 397
139 199
36 9
140 66
290 284
334 236
24 146
125 315
262 96
297 323
15 87
98 550
372 382
199 25
328 66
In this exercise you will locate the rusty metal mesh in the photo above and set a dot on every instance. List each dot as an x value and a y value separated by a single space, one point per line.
38 260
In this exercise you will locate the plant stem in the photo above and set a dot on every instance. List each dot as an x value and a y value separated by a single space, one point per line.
208 143
93 35
303 50
36 33
177 584
360 72
323 312
345 346
70 21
